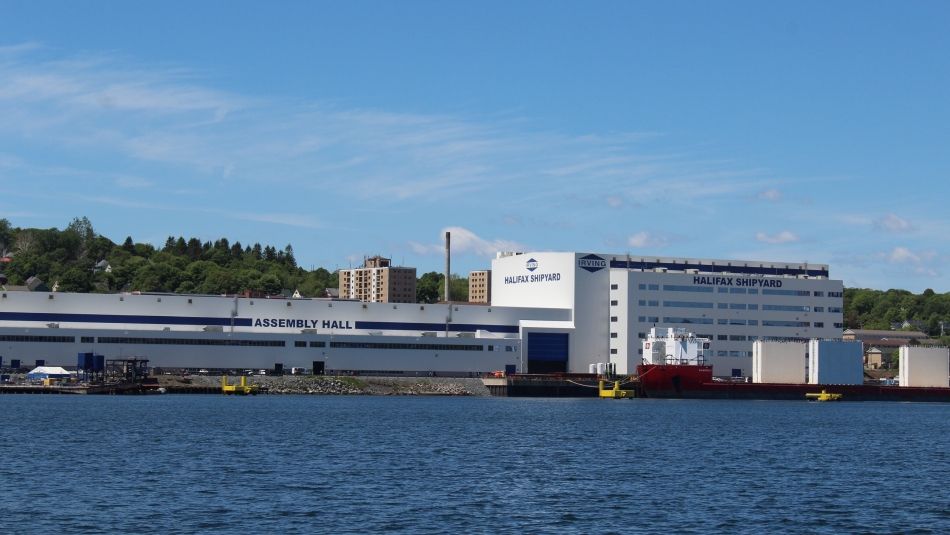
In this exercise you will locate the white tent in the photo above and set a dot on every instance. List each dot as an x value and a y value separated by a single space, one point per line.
44 372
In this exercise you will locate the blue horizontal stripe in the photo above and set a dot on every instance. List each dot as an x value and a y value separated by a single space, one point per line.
406 326
707 268
117 318
238 322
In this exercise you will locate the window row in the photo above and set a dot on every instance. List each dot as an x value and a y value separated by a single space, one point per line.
389 345
733 306
733 353
29 338
190 341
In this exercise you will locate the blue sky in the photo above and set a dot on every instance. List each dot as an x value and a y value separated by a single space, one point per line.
803 131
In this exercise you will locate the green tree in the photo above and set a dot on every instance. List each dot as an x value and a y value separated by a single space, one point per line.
458 287
75 279
429 287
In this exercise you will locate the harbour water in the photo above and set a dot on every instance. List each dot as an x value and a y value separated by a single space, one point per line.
337 464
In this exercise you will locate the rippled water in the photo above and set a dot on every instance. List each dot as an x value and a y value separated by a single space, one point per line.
184 464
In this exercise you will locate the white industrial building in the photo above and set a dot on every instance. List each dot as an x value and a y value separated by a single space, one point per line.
549 312
924 366
614 301
779 362
835 362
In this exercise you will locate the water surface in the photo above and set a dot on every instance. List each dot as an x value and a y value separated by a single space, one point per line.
299 464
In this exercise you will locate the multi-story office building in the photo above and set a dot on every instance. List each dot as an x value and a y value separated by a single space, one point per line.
479 286
379 282
615 300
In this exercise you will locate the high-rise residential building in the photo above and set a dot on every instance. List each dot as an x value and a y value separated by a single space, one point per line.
379 282
479 286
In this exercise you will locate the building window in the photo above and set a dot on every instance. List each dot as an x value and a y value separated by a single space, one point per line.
819 294
819 324
87 340
300 343
722 337
613 318
614 286
687 304
787 308
613 351
613 335
613 303
639 286
654 287
683 288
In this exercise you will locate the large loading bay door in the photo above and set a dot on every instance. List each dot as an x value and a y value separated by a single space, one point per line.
547 352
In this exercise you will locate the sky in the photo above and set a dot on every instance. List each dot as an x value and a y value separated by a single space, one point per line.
799 131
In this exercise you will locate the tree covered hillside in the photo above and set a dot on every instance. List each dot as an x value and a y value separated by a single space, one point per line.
72 260
69 259
876 309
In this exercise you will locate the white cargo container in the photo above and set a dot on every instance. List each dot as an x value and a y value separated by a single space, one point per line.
925 366
778 362
835 362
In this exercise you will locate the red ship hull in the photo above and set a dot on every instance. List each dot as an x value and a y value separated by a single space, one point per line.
696 382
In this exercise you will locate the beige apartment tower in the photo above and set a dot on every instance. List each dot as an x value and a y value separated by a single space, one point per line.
379 282
479 286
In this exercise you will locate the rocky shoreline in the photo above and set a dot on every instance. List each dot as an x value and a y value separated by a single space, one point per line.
329 385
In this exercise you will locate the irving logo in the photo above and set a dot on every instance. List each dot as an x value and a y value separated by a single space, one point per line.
591 263
532 264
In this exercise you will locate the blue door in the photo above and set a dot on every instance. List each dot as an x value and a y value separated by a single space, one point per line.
547 352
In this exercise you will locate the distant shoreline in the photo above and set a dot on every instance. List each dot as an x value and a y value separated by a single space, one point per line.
332 385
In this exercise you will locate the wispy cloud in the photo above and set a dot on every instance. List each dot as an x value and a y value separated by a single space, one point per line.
292 220
170 118
645 239
133 182
903 255
770 194
893 223
919 263
785 236
465 241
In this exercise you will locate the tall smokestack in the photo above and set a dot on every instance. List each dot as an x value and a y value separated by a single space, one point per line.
448 264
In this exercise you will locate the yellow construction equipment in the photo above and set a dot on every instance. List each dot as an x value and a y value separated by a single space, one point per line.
241 389
825 396
615 392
